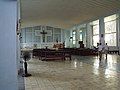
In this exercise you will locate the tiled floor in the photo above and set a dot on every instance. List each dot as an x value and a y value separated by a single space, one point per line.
81 73
21 84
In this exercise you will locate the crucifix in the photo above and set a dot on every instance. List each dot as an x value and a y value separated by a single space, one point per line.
43 35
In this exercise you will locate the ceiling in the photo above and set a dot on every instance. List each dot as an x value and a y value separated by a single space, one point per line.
64 13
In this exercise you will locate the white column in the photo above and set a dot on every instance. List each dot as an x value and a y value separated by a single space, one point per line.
88 36
8 64
77 36
67 38
101 27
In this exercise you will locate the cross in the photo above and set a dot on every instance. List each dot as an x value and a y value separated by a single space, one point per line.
43 34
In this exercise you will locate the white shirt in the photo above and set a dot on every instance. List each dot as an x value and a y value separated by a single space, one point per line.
100 48
106 47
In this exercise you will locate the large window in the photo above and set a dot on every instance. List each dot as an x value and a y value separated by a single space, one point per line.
74 37
81 37
95 28
110 30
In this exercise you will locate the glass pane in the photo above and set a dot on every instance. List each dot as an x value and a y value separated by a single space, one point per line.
49 28
95 40
57 30
80 31
74 32
110 26
110 39
73 37
73 42
80 37
37 39
110 18
29 29
37 28
49 38
28 37
23 36
95 29
57 37
94 22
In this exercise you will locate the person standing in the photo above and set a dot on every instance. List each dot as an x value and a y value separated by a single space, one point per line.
100 50
106 49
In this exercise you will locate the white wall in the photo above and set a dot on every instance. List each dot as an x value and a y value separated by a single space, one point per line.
29 37
8 68
118 31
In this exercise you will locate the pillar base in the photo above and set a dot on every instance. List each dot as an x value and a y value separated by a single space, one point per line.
26 75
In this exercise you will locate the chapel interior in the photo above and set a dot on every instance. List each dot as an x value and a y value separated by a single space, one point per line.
53 44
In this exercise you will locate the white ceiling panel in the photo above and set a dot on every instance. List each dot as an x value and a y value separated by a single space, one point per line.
64 13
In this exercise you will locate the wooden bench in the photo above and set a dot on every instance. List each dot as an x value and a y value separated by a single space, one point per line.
49 54
113 51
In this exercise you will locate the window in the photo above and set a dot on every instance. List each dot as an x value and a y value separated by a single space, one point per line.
81 37
95 28
74 37
110 30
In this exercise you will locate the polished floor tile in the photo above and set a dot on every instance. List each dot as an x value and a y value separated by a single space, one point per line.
81 73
